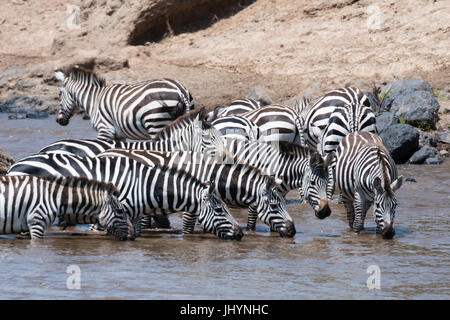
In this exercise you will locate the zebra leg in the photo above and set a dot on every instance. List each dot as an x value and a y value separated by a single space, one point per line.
189 220
350 212
360 213
252 216
137 227
331 179
145 222
37 223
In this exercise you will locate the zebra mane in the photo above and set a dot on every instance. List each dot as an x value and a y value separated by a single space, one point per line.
82 182
385 181
79 73
186 118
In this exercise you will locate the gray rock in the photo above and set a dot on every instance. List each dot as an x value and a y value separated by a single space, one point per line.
423 154
32 107
426 139
385 120
434 160
260 94
402 140
443 137
412 100
411 180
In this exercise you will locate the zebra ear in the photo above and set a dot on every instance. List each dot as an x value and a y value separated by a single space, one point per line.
314 159
377 184
397 184
214 114
59 75
210 186
328 159
201 115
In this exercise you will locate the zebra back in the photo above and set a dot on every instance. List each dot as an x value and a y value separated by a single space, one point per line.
315 117
276 123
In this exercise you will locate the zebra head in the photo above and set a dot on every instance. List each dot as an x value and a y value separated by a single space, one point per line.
68 102
384 205
314 184
272 210
215 216
114 218
206 138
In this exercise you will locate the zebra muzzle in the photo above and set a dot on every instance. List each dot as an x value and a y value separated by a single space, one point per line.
63 121
388 231
324 210
288 230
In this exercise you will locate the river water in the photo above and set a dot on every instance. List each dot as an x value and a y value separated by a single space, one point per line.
323 261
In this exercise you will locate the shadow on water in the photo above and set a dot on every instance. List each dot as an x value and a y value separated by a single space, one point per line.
323 260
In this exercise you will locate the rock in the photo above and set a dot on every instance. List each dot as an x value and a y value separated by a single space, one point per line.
410 180
260 94
434 160
32 107
385 120
444 153
402 140
5 162
412 101
423 154
443 137
426 139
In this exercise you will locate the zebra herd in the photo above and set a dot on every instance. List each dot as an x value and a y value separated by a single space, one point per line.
244 156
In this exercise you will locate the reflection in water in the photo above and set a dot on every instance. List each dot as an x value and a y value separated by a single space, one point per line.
325 260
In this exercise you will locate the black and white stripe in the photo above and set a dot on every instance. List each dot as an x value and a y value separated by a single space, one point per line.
143 189
119 111
297 168
239 185
190 132
236 127
276 123
353 114
366 174
236 107
31 204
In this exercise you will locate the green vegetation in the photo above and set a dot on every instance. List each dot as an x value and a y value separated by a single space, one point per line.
383 95
438 95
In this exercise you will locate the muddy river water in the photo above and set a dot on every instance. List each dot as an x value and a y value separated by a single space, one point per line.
323 261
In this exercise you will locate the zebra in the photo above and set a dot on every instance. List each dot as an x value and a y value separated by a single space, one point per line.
366 174
316 116
276 123
143 190
327 121
190 132
297 167
301 105
239 185
236 127
119 111
31 204
235 108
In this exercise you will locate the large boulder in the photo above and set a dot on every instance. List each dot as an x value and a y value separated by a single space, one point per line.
412 101
443 137
402 140
5 162
424 153
385 120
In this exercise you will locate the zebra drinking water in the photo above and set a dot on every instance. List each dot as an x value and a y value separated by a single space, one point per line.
143 189
239 185
327 121
119 111
297 167
366 174
30 203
